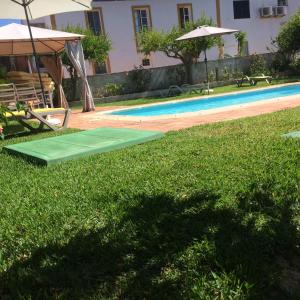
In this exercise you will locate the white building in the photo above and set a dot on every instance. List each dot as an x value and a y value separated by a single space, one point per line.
122 19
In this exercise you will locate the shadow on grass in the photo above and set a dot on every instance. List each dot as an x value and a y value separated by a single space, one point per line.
162 248
15 131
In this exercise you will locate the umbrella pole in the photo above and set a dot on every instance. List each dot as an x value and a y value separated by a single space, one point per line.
34 52
206 68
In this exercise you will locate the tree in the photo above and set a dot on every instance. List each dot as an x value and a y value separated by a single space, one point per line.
241 40
95 48
187 51
288 39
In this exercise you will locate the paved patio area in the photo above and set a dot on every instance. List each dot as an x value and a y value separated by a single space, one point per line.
95 119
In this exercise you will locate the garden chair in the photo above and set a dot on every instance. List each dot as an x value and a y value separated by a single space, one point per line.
32 97
25 96
37 109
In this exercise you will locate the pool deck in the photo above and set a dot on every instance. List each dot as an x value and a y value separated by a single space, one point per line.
98 118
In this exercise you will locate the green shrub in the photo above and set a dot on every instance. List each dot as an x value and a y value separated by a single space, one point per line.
139 79
226 74
113 89
211 76
257 65
288 39
295 67
175 76
280 62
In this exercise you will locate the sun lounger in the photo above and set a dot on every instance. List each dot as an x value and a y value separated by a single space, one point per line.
252 80
192 88
32 107
174 90
40 115
263 77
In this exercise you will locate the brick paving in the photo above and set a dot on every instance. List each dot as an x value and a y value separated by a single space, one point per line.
94 119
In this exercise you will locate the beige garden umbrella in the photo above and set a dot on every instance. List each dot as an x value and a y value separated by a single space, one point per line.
15 40
32 9
202 32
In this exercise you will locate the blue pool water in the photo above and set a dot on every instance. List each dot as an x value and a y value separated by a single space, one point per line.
209 103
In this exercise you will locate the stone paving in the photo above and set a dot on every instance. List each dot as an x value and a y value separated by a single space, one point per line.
94 119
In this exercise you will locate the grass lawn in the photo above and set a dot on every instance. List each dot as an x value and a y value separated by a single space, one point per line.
218 90
211 212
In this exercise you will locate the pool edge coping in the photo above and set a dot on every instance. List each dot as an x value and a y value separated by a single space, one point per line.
107 116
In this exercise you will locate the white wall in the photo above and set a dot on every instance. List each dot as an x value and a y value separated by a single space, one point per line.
260 31
72 18
118 24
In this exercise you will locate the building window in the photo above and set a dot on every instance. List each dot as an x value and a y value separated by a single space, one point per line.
185 14
282 2
39 25
141 18
94 21
53 22
241 9
100 68
146 62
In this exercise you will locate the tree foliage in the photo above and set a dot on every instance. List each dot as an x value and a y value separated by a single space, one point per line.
257 65
288 39
187 51
241 40
95 47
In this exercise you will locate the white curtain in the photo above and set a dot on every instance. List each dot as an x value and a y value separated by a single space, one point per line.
75 53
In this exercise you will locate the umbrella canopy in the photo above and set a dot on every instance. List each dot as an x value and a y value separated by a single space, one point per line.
32 9
15 40
202 32
14 9
206 31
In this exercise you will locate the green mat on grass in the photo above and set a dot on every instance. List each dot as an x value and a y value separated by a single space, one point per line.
295 134
54 150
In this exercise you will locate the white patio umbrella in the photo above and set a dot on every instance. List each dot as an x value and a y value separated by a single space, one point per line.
202 32
32 9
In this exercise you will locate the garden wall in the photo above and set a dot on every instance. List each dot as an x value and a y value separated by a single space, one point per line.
161 78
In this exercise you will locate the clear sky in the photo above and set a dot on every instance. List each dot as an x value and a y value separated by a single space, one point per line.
5 21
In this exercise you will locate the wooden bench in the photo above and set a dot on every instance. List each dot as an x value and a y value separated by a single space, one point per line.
8 95
27 93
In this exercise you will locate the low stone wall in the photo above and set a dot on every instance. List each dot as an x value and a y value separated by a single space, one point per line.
163 77
149 94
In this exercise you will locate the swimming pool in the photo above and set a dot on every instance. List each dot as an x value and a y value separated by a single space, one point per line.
207 103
